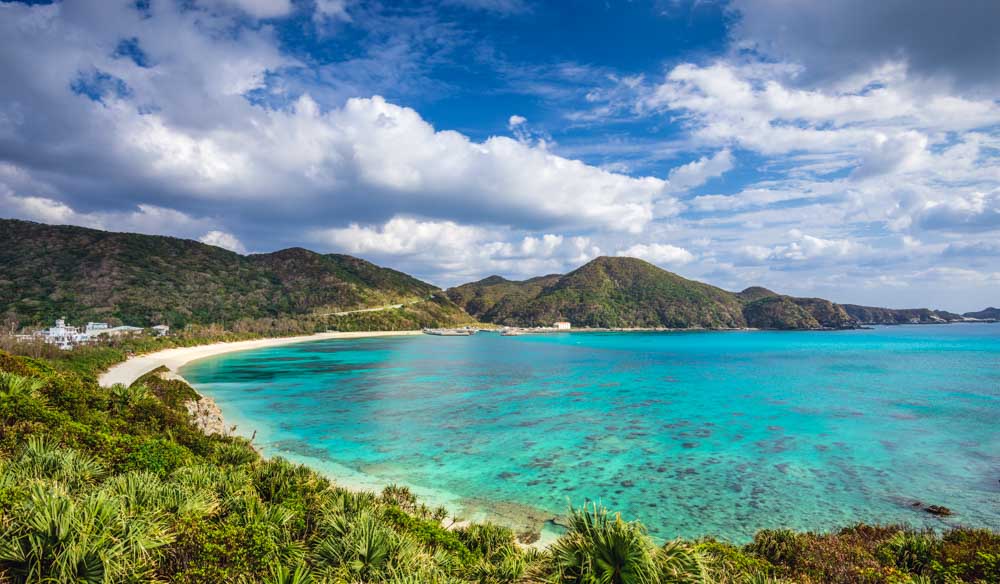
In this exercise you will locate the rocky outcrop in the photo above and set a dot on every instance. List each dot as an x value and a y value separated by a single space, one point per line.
207 416
939 510
826 313
778 313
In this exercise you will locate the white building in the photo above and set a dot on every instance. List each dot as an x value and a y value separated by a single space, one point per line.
562 325
63 335
161 330
117 331
66 336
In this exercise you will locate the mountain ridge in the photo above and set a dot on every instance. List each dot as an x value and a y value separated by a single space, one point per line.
615 292
89 274
989 313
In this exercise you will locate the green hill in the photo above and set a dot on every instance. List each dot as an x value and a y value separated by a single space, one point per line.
985 314
87 274
607 292
627 292
875 315
619 292
624 292
779 312
755 293
495 299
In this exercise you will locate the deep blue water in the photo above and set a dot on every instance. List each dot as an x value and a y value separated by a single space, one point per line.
694 433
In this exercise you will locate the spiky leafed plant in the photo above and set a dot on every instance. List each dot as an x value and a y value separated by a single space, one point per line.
280 574
488 539
42 458
54 537
910 552
271 523
230 485
372 545
144 492
362 547
351 502
505 566
760 578
778 546
277 478
400 496
235 453
677 563
603 549
123 396
13 386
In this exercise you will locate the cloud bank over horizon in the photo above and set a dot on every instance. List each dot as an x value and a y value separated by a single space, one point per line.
419 136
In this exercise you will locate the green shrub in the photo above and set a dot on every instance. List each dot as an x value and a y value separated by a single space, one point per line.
777 546
234 453
910 552
158 455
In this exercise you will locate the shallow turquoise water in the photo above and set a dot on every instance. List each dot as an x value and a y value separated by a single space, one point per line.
694 433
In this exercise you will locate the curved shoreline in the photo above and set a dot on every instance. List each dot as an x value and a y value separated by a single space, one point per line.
128 371
210 418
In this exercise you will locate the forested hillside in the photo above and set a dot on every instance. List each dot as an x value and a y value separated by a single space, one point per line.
620 292
87 274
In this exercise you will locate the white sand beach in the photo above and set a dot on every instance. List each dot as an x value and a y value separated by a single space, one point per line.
173 359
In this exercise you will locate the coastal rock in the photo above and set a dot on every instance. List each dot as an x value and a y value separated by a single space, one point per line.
207 416
939 510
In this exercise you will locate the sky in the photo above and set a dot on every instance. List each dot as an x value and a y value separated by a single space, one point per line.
847 149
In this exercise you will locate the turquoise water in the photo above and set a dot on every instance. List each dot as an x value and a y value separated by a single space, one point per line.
694 433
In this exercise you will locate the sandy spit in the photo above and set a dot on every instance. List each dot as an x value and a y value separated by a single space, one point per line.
173 359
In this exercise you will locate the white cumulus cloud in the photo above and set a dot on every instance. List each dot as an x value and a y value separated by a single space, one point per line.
663 254
223 240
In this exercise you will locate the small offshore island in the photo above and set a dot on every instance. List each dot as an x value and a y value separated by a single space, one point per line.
109 429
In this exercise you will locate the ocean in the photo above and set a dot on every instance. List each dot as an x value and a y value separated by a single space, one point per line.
693 433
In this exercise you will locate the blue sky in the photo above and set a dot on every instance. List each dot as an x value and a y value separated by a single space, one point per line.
844 149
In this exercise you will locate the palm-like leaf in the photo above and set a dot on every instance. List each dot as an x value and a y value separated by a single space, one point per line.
42 458
677 563
13 386
282 575
56 538
601 549
123 396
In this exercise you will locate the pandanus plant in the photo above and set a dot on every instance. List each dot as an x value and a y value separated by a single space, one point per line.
41 458
362 548
600 548
13 386
123 396
54 537
280 574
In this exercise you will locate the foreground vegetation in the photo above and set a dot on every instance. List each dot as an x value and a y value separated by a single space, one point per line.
118 486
